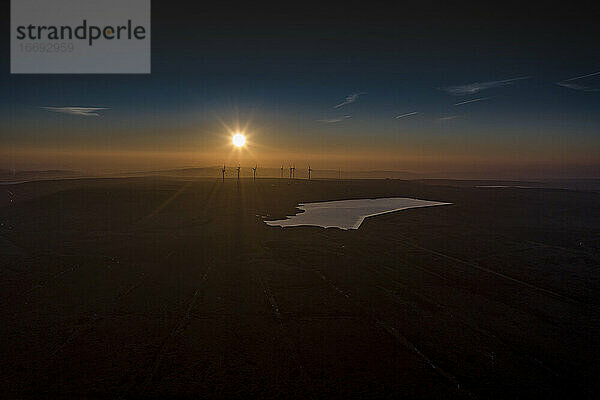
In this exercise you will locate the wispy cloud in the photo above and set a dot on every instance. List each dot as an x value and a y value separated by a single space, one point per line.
406 115
351 98
447 118
334 120
576 83
460 103
476 87
81 111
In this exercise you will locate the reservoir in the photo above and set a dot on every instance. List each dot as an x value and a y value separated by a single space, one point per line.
348 214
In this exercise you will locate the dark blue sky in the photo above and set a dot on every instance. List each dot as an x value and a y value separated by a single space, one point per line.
282 71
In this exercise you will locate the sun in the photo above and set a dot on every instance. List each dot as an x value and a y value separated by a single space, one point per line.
239 140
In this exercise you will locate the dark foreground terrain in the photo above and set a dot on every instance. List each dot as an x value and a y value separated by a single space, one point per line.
153 287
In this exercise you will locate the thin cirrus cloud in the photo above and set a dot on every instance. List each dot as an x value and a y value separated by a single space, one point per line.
580 83
351 98
406 115
447 118
334 120
476 87
80 111
460 103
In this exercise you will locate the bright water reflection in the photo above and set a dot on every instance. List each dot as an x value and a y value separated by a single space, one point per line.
349 214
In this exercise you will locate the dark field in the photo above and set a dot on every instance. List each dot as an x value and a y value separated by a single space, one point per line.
155 287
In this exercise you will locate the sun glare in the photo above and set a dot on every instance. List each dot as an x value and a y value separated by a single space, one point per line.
239 140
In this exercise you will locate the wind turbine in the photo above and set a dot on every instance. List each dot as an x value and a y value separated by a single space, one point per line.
254 171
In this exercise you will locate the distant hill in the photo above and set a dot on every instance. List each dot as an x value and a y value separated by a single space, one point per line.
32 175
586 184
300 173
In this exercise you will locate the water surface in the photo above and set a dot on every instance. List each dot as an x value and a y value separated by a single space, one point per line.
349 214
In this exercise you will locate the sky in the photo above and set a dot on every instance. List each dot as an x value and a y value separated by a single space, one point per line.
444 91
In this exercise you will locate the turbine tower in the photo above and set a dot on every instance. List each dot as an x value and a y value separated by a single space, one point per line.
254 171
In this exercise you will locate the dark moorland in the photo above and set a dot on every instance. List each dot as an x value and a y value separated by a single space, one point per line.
165 287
